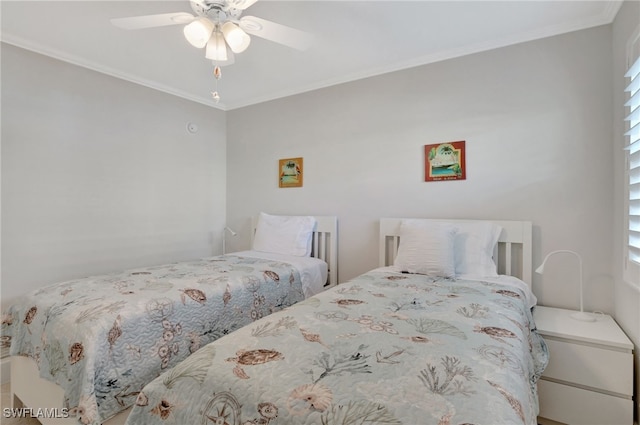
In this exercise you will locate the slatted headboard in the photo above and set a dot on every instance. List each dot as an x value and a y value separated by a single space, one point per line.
324 245
512 254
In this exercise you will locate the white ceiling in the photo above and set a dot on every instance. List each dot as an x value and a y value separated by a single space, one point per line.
352 40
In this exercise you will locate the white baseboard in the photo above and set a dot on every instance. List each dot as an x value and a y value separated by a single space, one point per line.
5 370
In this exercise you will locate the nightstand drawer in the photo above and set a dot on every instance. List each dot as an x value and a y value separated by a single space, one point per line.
576 406
598 368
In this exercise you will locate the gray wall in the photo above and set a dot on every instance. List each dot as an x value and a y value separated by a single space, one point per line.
536 118
627 297
99 175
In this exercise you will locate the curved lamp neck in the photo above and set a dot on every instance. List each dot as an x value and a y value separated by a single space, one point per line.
581 315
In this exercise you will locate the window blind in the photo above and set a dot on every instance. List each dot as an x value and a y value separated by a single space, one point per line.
633 160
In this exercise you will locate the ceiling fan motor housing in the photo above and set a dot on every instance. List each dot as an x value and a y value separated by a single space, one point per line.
219 10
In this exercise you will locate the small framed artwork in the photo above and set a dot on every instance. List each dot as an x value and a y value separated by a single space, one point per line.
445 161
290 172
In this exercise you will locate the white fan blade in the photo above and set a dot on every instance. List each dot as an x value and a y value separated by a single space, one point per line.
278 33
240 4
150 21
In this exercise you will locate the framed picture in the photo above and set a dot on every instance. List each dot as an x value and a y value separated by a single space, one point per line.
445 161
290 172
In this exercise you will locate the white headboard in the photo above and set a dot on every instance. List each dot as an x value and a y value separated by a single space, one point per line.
324 245
512 255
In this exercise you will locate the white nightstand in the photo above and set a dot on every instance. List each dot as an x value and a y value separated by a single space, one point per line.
589 379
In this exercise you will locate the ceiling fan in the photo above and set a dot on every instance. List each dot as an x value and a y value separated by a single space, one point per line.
219 27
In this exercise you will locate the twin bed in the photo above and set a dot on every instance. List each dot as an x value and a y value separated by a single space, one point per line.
90 345
441 333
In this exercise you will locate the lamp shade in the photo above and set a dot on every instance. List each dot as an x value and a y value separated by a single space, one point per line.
217 48
199 32
237 39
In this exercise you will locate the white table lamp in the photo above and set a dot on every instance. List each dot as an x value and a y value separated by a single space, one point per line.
224 238
581 315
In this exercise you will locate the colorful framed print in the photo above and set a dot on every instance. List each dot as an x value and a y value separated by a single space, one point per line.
445 161
290 172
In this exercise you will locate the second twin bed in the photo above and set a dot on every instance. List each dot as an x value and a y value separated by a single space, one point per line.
437 338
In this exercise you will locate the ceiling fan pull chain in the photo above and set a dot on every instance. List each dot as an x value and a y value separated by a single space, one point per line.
217 72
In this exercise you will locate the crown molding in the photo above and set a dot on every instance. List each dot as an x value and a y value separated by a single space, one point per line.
78 61
611 9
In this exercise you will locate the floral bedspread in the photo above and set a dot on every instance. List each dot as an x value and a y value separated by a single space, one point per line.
383 348
103 338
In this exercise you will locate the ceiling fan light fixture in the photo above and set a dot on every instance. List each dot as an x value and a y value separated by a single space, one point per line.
230 59
199 32
237 39
216 48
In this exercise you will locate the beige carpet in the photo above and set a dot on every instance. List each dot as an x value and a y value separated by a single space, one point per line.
6 403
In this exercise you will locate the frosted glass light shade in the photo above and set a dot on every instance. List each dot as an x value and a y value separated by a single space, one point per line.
230 59
237 39
199 32
216 48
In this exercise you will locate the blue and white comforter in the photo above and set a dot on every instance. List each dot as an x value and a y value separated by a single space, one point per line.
103 338
384 348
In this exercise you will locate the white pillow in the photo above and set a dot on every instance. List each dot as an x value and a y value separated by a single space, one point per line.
426 248
474 246
282 234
